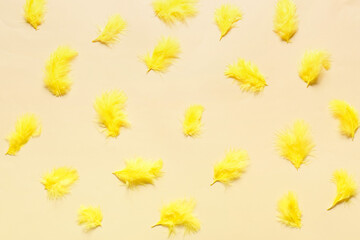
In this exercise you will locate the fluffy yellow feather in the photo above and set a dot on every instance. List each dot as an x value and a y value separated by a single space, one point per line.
295 144
27 126
115 25
34 11
192 121
289 211
56 79
170 11
347 115
179 213
285 20
110 109
163 55
231 167
247 76
90 217
311 65
58 181
225 18
346 187
139 172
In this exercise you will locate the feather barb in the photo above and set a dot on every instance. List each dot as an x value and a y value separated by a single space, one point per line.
225 18
345 185
285 20
34 11
289 211
170 11
115 25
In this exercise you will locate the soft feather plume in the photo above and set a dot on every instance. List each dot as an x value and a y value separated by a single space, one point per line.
163 55
27 126
311 65
34 11
90 217
115 25
247 76
226 16
179 213
139 172
192 122
110 109
347 115
231 167
295 144
56 79
346 187
289 212
170 11
58 181
285 20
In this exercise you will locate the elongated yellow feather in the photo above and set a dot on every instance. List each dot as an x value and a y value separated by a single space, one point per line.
58 181
295 144
90 217
192 121
347 115
285 20
163 55
311 65
346 187
231 167
225 18
27 126
110 109
115 25
56 79
179 213
289 211
247 76
34 11
170 11
139 172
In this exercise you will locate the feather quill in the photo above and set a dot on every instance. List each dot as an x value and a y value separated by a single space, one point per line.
90 217
115 25
34 11
225 18
192 121
347 116
289 211
27 126
285 20
346 187
170 11
295 144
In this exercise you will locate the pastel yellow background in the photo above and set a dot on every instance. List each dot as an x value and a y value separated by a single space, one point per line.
156 103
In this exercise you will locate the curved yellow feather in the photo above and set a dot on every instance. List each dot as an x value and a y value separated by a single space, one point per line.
115 25
225 18
34 11
285 20
170 11
90 217
346 187
192 121
289 211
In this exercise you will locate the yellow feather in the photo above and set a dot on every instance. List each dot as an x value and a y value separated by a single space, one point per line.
311 65
347 115
225 18
163 55
34 11
90 217
58 181
247 76
231 167
57 70
27 126
295 144
179 213
192 122
170 11
346 187
110 109
289 212
139 172
285 20
115 25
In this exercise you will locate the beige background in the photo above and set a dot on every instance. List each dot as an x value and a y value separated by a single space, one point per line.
156 103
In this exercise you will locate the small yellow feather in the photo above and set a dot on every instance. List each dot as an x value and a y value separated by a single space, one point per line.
289 211
311 65
34 11
58 181
110 109
347 115
27 126
56 79
247 76
179 213
225 18
170 11
90 217
285 20
115 25
192 121
346 187
295 144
